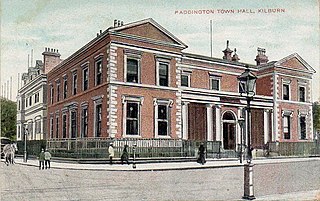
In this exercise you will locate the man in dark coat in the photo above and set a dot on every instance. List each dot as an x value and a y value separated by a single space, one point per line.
202 150
125 155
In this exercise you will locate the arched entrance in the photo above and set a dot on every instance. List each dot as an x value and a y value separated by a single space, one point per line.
229 131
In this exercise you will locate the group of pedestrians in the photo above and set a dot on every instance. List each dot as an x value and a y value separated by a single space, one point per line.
44 159
124 156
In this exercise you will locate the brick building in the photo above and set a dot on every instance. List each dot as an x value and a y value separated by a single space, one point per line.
135 81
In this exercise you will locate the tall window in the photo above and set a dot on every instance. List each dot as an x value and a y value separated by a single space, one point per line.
215 83
132 70
51 127
64 126
38 126
84 122
74 83
98 118
19 132
132 118
85 79
98 72
73 124
303 131
286 127
163 120
163 74
19 105
286 92
65 88
185 80
57 126
58 92
30 100
302 94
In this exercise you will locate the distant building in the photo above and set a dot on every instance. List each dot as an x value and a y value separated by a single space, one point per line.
134 81
32 98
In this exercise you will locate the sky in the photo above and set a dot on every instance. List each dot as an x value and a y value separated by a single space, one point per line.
67 25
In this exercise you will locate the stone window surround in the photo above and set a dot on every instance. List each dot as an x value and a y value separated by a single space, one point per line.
214 77
286 82
125 100
164 60
168 103
188 74
132 54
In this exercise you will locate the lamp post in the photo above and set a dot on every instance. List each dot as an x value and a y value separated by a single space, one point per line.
241 123
25 145
247 86
134 156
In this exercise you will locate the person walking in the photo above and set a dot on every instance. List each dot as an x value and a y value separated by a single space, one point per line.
47 158
41 159
125 155
202 159
111 152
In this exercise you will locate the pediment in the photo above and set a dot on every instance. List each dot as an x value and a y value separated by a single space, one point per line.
295 62
149 29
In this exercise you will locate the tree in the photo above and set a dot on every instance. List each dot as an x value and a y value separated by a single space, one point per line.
8 118
316 115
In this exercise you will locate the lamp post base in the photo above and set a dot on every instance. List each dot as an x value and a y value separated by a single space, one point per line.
248 182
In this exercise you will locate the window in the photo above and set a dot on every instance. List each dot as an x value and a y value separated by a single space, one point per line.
19 131
162 117
58 92
36 97
85 79
163 74
51 127
30 100
286 127
74 84
98 72
30 129
19 106
302 94
215 83
185 80
286 92
132 118
57 127
64 126
84 122
38 126
132 70
303 131
98 119
26 102
73 124
65 88
162 120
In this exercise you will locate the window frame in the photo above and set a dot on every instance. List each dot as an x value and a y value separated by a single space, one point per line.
139 102
84 122
286 83
51 93
305 126
287 115
163 61
136 58
73 128
74 83
100 74
304 93
65 87
51 127
168 106
215 78
188 75
85 78
64 125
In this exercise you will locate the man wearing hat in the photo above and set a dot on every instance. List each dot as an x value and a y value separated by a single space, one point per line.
41 159
111 152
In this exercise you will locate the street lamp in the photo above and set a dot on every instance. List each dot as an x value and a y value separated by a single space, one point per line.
241 123
247 86
25 145
134 156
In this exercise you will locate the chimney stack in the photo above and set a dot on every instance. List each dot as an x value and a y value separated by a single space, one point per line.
261 57
51 58
227 52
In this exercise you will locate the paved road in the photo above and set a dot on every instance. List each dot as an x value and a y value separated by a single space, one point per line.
28 183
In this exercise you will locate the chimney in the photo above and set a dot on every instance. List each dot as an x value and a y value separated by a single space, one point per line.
227 52
261 58
51 58
235 57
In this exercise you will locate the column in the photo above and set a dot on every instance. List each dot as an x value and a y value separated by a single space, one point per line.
209 122
218 123
185 120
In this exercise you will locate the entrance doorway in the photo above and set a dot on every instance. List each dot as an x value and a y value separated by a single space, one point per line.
229 131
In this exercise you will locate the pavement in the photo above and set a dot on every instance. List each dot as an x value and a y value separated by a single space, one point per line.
172 166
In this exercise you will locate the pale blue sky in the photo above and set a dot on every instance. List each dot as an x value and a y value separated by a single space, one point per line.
67 25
